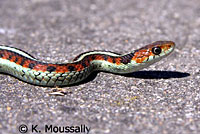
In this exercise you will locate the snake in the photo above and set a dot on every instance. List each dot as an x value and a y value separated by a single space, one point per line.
21 65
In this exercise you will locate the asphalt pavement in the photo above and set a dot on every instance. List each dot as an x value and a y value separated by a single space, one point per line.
161 99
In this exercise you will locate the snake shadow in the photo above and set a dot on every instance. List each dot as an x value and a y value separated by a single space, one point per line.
143 75
157 74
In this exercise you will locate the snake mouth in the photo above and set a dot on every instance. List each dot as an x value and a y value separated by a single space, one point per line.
162 48
153 52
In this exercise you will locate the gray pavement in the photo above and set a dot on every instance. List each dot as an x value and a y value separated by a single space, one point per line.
164 98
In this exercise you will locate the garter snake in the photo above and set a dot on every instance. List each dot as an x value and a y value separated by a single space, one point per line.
25 67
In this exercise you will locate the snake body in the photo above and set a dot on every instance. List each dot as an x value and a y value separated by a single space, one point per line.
25 67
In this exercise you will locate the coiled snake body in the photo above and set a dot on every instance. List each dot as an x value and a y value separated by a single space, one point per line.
26 68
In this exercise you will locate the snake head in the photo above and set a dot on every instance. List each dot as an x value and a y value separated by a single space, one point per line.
153 52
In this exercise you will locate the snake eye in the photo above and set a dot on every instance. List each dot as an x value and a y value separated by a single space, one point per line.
156 50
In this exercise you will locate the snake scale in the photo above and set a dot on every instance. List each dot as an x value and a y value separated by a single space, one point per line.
25 67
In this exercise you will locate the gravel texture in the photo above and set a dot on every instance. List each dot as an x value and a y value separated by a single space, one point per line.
164 98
